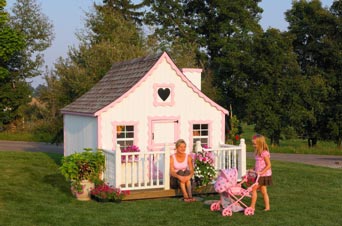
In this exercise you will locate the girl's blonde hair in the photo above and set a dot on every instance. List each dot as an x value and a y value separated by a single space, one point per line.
179 142
260 144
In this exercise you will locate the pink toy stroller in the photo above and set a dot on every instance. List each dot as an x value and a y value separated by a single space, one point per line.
232 193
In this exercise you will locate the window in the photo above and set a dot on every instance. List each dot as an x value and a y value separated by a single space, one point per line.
163 94
125 135
200 132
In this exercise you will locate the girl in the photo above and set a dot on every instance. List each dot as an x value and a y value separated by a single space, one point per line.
181 170
263 169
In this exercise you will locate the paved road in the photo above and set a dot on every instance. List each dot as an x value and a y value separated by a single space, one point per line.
331 161
30 146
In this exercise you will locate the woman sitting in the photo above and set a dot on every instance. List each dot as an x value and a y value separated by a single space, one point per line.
182 170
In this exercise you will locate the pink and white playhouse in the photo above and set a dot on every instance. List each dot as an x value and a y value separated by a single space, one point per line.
150 103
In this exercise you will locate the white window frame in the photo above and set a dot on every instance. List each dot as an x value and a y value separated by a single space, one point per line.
200 136
125 139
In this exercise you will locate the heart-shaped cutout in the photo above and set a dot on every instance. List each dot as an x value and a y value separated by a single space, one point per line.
164 93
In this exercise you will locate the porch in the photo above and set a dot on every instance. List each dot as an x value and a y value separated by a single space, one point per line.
146 173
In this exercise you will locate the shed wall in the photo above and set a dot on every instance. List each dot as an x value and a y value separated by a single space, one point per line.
79 132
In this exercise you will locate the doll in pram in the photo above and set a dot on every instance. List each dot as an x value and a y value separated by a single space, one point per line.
231 192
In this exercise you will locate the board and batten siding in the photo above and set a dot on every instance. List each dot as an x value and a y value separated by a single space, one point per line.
138 106
80 132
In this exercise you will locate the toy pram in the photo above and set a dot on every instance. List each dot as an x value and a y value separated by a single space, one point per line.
232 193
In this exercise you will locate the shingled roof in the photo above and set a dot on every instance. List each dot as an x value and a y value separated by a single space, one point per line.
119 79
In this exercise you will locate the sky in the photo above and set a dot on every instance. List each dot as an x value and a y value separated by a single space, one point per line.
67 17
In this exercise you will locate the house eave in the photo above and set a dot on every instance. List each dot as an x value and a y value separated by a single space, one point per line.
78 114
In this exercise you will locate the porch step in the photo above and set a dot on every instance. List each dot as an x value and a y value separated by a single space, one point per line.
152 194
161 193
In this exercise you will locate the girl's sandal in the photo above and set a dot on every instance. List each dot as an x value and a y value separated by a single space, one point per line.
192 199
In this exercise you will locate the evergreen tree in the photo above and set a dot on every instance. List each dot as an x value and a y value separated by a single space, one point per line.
172 30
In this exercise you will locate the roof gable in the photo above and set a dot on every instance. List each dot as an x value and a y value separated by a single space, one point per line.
120 80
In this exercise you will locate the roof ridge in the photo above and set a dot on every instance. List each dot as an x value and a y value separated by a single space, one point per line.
136 60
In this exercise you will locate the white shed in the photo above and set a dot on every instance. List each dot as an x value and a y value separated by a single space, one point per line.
148 102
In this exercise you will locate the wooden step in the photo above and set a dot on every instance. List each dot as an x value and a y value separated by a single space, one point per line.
151 194
161 193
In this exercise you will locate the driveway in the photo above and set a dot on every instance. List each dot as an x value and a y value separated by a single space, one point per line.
331 161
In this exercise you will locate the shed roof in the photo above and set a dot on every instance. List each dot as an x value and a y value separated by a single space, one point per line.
119 79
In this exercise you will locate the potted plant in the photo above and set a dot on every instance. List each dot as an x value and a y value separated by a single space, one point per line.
83 169
204 168
107 193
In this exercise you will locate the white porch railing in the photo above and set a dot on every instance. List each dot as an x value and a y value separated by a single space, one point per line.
151 169
138 170
228 156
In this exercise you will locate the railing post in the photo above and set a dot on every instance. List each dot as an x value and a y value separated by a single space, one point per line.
242 159
198 147
117 166
167 168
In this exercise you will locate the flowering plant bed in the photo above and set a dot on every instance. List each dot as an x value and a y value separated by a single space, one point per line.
131 158
107 193
204 168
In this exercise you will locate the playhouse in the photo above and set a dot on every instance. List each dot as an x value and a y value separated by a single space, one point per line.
148 102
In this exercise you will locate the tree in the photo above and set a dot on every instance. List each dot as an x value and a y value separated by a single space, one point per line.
170 23
130 11
100 46
272 103
25 35
216 34
28 19
11 96
334 117
317 44
226 30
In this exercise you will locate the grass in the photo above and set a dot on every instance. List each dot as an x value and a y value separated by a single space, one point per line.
294 146
24 136
33 192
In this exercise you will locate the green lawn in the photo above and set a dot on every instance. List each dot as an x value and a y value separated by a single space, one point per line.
33 192
25 136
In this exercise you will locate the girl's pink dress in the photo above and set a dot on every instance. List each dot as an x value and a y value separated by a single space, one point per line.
260 163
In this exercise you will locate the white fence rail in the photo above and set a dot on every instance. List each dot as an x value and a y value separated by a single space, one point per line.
151 169
228 156
138 170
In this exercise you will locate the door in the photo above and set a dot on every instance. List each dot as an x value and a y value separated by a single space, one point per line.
163 132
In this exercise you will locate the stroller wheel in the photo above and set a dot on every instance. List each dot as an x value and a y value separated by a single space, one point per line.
215 206
249 211
227 212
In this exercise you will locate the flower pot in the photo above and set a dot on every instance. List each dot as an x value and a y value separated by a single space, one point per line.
83 195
